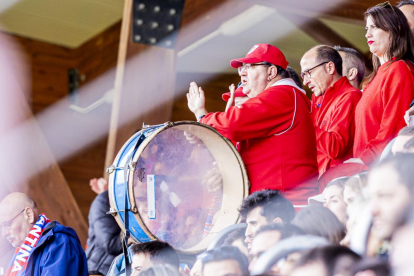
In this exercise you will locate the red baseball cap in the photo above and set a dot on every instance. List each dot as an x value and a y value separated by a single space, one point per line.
237 93
262 52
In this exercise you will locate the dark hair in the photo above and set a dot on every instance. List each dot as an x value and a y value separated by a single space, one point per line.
226 253
234 236
160 270
407 131
405 2
294 76
336 259
380 268
409 144
280 71
393 21
327 53
320 221
403 165
274 205
159 252
353 59
286 230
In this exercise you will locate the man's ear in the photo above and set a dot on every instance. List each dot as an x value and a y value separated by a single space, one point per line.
331 68
29 214
272 72
352 73
277 220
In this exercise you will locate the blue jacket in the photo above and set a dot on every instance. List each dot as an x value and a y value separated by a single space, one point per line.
58 253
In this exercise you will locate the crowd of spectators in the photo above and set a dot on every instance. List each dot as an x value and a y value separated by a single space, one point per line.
332 179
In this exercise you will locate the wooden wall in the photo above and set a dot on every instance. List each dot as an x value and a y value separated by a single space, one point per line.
49 65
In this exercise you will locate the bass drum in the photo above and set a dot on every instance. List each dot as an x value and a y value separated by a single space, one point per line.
185 183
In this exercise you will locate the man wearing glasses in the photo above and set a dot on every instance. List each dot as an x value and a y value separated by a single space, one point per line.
274 129
334 101
42 247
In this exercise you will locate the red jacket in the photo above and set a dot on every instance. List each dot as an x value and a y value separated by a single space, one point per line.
380 113
273 161
333 116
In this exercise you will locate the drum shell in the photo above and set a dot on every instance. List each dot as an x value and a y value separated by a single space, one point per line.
235 182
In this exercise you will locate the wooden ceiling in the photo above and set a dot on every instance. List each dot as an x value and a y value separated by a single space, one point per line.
68 23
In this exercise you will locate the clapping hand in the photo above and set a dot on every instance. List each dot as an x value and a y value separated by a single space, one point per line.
196 100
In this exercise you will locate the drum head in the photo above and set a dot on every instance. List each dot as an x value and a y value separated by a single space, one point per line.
185 184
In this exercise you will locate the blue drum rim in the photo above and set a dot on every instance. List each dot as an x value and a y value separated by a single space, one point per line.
154 130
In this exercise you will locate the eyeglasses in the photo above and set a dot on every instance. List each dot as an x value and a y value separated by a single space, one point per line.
307 72
8 223
384 5
247 66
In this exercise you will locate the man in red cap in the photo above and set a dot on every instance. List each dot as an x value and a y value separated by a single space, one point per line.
273 128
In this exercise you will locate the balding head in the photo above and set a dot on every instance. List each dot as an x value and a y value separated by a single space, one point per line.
321 67
18 213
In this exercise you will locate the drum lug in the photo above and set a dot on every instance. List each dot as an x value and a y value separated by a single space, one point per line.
110 169
112 212
169 124
132 166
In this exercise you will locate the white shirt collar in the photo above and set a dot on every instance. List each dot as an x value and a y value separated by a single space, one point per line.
290 82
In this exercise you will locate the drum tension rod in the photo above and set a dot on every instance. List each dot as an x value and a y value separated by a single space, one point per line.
112 168
114 212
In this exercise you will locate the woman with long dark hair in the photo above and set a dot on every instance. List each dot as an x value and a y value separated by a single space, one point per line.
389 89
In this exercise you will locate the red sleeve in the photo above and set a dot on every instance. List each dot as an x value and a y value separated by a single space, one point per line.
267 114
397 92
338 139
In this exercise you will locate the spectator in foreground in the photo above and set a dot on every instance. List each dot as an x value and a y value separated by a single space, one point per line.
236 239
145 255
354 188
402 257
160 270
326 261
319 221
267 237
332 198
43 247
409 146
391 190
262 208
404 135
227 260
371 268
